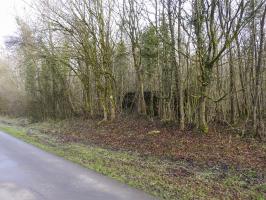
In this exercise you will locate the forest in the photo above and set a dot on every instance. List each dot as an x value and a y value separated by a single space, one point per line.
193 63
190 67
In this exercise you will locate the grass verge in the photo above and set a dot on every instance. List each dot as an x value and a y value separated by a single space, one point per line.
164 179
115 164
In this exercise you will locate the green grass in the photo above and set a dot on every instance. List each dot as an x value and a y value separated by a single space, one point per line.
149 174
126 168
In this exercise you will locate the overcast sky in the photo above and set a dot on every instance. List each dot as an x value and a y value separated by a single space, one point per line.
9 9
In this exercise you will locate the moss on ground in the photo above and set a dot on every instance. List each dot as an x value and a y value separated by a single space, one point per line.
164 179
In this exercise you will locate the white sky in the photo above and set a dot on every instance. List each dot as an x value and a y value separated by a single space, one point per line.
9 9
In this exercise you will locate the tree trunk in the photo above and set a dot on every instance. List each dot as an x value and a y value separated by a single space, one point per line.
179 71
241 78
202 122
258 125
177 65
141 99
232 87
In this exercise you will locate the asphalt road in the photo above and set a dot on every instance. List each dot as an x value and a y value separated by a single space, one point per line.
28 173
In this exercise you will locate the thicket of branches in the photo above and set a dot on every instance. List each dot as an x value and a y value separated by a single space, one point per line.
190 61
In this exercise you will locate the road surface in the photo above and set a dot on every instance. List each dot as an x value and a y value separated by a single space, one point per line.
28 173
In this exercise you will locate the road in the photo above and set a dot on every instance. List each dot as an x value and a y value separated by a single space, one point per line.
28 173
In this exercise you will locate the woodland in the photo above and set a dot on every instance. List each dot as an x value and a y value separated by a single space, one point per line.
168 96
194 63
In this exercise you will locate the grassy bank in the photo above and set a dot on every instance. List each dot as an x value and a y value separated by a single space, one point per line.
122 166
163 178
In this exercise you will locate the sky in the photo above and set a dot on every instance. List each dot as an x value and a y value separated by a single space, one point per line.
9 9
